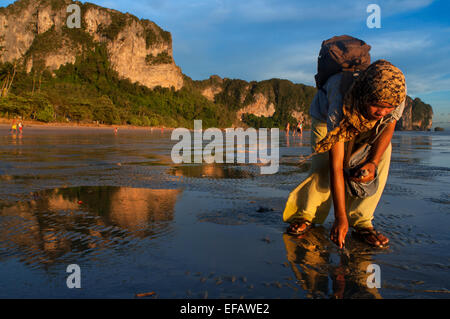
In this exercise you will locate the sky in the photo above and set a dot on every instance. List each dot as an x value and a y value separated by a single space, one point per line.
264 39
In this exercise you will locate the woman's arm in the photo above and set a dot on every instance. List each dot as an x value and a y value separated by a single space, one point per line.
382 142
379 147
337 185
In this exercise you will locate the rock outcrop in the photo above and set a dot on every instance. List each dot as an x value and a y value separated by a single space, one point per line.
417 115
405 122
261 107
213 87
35 33
261 99
422 115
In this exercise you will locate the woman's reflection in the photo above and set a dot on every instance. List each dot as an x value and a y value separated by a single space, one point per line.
310 257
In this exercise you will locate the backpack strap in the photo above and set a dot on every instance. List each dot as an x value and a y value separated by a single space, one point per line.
348 152
348 76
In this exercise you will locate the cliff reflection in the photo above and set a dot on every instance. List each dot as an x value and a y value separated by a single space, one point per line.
408 148
209 171
424 141
83 220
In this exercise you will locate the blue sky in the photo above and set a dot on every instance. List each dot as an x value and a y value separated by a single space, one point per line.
263 39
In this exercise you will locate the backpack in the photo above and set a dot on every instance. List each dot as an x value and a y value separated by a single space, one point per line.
342 54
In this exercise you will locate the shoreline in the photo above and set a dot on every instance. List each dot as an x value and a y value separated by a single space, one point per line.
55 125
38 124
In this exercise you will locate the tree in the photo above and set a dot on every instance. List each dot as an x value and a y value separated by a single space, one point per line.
2 48
8 78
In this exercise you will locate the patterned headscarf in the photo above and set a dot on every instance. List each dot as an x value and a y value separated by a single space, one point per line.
380 83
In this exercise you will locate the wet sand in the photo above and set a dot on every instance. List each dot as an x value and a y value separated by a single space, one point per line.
135 222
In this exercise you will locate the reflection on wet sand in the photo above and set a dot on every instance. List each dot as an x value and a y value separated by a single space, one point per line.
408 144
297 141
310 260
131 241
83 219
209 171
16 140
413 140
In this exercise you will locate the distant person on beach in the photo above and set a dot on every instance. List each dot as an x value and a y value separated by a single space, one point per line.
115 130
20 126
351 135
14 127
300 127
287 128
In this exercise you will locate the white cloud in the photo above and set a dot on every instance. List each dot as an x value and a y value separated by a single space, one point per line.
420 54
425 83
393 44
263 11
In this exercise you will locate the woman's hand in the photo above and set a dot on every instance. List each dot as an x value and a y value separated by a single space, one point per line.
379 147
337 185
339 231
365 174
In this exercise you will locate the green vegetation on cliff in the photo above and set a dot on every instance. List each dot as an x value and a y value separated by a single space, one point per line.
161 58
286 96
421 113
2 48
234 93
90 90
118 23
42 45
155 35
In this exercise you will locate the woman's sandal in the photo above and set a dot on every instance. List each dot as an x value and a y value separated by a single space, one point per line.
371 237
294 227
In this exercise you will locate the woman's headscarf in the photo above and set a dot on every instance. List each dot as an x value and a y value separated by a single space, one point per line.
380 83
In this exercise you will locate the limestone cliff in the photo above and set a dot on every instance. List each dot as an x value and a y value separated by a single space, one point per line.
260 107
278 99
35 33
417 115
422 115
405 122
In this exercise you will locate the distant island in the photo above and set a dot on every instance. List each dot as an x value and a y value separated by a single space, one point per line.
117 69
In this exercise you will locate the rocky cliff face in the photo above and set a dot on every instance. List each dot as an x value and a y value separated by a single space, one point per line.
422 117
405 122
417 115
35 34
271 98
261 107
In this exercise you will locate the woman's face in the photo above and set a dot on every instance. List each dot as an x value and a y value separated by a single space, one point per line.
379 110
